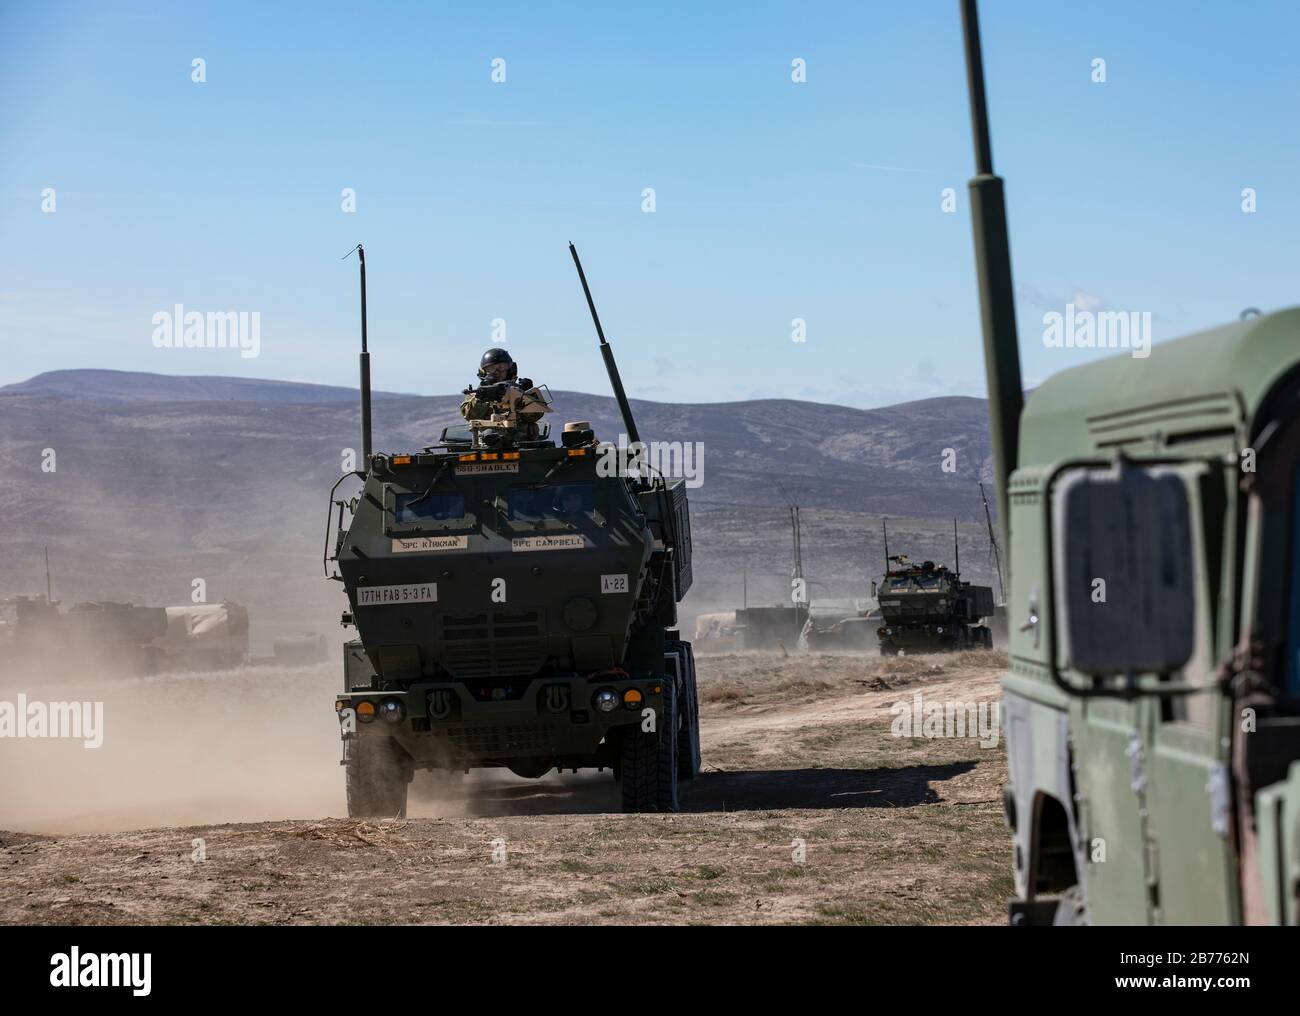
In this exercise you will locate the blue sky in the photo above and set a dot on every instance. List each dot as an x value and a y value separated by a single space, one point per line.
774 200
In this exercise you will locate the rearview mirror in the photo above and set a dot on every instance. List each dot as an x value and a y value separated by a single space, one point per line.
1124 572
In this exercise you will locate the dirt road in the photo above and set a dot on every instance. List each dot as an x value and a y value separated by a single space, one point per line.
207 803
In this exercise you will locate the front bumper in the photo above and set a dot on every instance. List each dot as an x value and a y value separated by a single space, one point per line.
456 724
918 639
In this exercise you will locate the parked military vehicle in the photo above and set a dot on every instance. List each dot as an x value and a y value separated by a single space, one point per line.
856 632
95 638
106 638
1152 703
718 632
768 628
205 636
515 604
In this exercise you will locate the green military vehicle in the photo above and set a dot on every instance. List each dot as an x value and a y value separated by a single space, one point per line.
515 602
1152 700
927 608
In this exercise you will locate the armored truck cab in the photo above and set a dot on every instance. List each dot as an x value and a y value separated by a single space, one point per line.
515 603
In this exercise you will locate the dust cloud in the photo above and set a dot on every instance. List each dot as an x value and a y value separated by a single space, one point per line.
180 749
249 745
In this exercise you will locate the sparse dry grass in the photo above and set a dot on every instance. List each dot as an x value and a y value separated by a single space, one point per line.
810 811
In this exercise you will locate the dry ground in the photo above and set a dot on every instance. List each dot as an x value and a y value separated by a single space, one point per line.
243 769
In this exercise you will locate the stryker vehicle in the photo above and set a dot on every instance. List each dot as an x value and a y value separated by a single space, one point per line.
1152 700
515 605
926 608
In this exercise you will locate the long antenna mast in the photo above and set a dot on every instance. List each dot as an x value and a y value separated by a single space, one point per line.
48 597
956 552
365 366
796 528
993 268
884 526
611 368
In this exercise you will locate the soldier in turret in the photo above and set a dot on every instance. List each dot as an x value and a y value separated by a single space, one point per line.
498 377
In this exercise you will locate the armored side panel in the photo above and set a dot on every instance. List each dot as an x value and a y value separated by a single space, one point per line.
668 516
979 601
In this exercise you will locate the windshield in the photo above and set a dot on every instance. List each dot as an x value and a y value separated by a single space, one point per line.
420 507
562 501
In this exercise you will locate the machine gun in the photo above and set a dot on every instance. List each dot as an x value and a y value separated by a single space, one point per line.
516 406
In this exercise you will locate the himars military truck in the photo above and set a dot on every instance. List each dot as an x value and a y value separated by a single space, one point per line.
1152 697
927 608
515 602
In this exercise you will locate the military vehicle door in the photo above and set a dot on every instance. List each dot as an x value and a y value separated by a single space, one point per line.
1138 566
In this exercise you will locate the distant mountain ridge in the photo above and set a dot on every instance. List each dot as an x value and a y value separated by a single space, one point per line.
132 386
159 480
770 452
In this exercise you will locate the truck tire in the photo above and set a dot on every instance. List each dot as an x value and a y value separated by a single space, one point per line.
377 776
688 737
648 762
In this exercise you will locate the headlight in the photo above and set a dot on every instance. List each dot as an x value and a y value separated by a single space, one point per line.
606 700
391 710
939 630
